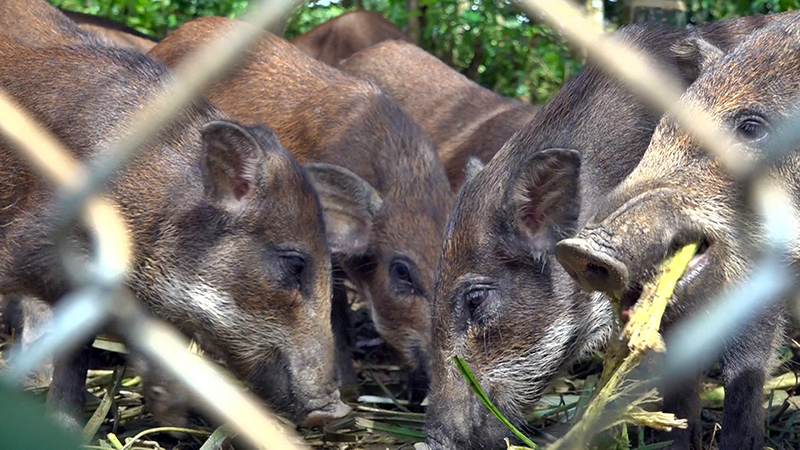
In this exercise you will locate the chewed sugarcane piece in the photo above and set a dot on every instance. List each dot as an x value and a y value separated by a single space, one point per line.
625 352
641 331
653 419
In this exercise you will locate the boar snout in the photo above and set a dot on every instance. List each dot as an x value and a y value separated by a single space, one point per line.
304 403
620 252
463 425
333 410
592 268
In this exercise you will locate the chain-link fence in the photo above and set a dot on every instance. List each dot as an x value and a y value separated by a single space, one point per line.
104 299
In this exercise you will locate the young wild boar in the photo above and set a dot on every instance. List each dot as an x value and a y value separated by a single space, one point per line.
679 194
228 230
501 301
382 187
340 37
117 34
37 23
462 118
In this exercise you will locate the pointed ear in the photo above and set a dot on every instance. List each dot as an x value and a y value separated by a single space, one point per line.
546 198
473 167
350 206
233 162
693 55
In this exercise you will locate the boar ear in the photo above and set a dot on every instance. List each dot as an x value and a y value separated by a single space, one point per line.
349 204
232 162
693 56
546 198
473 167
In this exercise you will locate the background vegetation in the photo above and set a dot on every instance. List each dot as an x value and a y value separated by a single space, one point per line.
489 41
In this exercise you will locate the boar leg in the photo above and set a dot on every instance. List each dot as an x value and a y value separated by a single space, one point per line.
683 400
340 322
66 396
744 364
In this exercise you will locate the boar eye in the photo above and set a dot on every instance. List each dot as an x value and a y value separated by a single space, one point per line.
475 298
402 277
478 301
752 129
292 266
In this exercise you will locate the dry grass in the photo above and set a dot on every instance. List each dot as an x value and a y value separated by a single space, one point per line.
379 423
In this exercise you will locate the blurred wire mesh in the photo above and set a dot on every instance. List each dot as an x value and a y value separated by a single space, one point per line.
104 299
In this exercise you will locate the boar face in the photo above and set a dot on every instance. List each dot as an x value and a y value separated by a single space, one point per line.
228 231
679 194
500 302
399 275
253 279
388 233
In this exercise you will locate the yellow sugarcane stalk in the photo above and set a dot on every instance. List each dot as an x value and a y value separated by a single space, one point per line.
626 351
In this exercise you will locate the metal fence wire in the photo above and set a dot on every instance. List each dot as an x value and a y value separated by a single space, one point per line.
104 299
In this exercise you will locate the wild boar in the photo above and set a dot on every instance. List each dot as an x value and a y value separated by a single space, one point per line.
119 35
342 36
678 194
383 189
38 23
228 230
501 301
462 118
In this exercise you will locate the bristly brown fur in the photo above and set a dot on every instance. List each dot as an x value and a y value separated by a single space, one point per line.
462 118
677 194
40 24
533 319
342 36
218 275
325 116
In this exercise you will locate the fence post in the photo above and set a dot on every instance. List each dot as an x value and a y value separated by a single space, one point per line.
668 12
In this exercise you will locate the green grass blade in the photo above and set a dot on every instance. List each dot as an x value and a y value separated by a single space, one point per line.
215 441
105 405
473 383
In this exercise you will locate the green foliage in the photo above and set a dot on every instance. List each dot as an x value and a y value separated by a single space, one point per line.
709 10
308 16
491 42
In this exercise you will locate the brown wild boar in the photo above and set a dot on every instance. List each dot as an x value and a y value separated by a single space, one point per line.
501 301
462 118
38 23
383 189
344 35
679 194
228 229
117 34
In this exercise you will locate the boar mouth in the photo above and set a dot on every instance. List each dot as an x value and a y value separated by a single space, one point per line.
320 416
697 265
